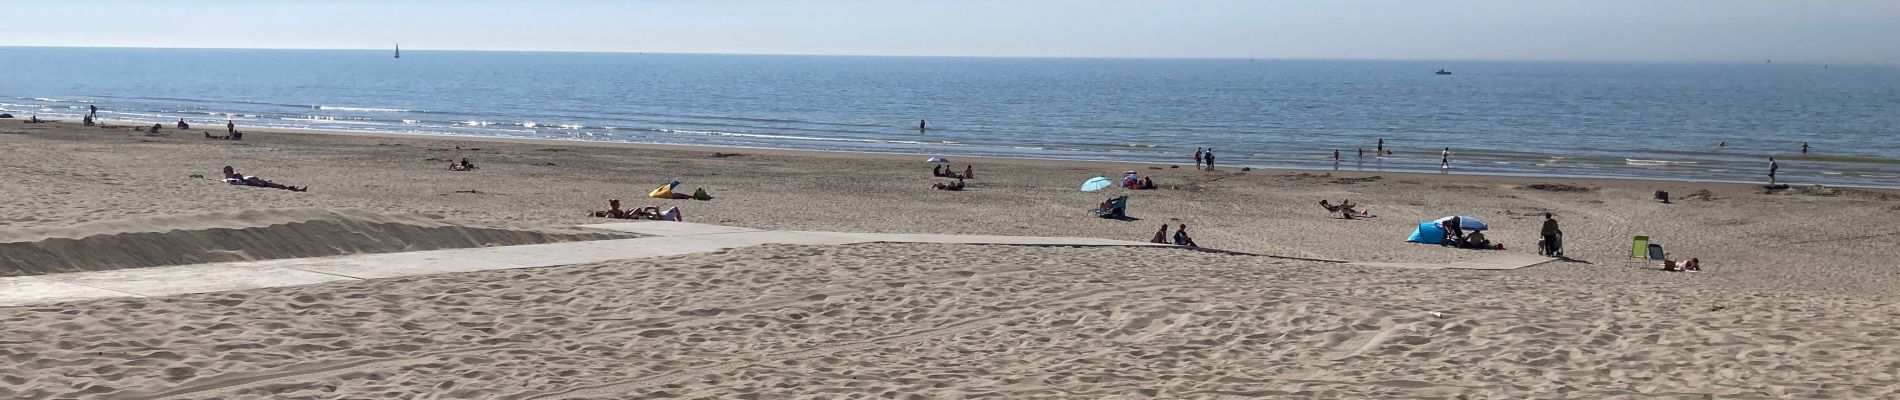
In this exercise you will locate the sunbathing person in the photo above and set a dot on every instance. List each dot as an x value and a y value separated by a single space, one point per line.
951 187
1161 236
1346 209
969 172
613 211
462 166
1693 265
232 177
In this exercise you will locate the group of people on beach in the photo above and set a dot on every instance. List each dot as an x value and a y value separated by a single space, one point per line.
1180 237
945 171
1204 157
649 212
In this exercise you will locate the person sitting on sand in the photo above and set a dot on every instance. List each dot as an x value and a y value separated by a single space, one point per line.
155 128
87 120
1476 240
182 124
1148 183
969 172
951 187
936 170
1161 236
34 120
1181 237
232 177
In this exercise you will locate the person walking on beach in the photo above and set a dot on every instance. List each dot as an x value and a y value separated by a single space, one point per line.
1197 158
1772 168
1210 159
1553 240
94 111
1444 161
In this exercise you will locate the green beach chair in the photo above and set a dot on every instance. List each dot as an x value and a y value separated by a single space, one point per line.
1639 248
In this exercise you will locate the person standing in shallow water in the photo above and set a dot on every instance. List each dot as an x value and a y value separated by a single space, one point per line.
1804 147
1197 158
923 125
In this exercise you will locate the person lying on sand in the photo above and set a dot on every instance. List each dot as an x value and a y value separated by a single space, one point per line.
1693 265
232 177
1347 209
951 187
614 211
461 166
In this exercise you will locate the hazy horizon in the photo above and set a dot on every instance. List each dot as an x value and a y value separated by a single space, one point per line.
1690 31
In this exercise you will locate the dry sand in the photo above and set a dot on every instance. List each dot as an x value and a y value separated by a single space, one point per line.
1797 300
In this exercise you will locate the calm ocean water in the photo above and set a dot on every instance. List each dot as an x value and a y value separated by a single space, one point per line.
1655 121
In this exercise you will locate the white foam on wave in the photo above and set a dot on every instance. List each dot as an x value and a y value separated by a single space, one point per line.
1632 161
412 121
361 109
570 126
527 124
477 123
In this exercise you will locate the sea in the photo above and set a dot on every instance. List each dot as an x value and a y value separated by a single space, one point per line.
1693 122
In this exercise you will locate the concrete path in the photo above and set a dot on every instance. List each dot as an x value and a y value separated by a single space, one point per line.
667 239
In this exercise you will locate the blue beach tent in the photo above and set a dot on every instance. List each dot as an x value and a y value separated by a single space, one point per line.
1428 232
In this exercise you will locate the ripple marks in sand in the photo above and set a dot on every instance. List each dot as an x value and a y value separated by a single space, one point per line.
950 329
300 372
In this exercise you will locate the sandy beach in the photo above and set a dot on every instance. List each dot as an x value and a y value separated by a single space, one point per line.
1796 300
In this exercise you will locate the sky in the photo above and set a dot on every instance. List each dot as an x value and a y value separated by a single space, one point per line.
1804 31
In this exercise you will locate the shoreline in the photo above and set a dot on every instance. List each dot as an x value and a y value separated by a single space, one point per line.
1520 178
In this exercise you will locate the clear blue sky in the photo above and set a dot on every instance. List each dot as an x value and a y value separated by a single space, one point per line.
1817 31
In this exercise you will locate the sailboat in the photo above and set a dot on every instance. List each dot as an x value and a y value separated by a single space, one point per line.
399 50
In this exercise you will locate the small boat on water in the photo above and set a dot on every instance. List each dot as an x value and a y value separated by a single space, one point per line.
1442 71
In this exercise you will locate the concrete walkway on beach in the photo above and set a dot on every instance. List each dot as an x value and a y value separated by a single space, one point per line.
666 239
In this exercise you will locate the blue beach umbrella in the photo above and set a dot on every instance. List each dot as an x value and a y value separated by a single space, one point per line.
1096 183
1466 223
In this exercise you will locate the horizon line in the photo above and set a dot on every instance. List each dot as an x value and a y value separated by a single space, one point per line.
1530 60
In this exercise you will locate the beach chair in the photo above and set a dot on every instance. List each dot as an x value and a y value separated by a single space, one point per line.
1117 209
1639 247
1656 252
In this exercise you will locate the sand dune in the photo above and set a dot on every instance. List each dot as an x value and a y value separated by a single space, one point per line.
248 235
949 321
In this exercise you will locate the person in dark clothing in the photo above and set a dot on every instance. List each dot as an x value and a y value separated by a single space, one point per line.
1181 237
1453 230
1210 159
1553 237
